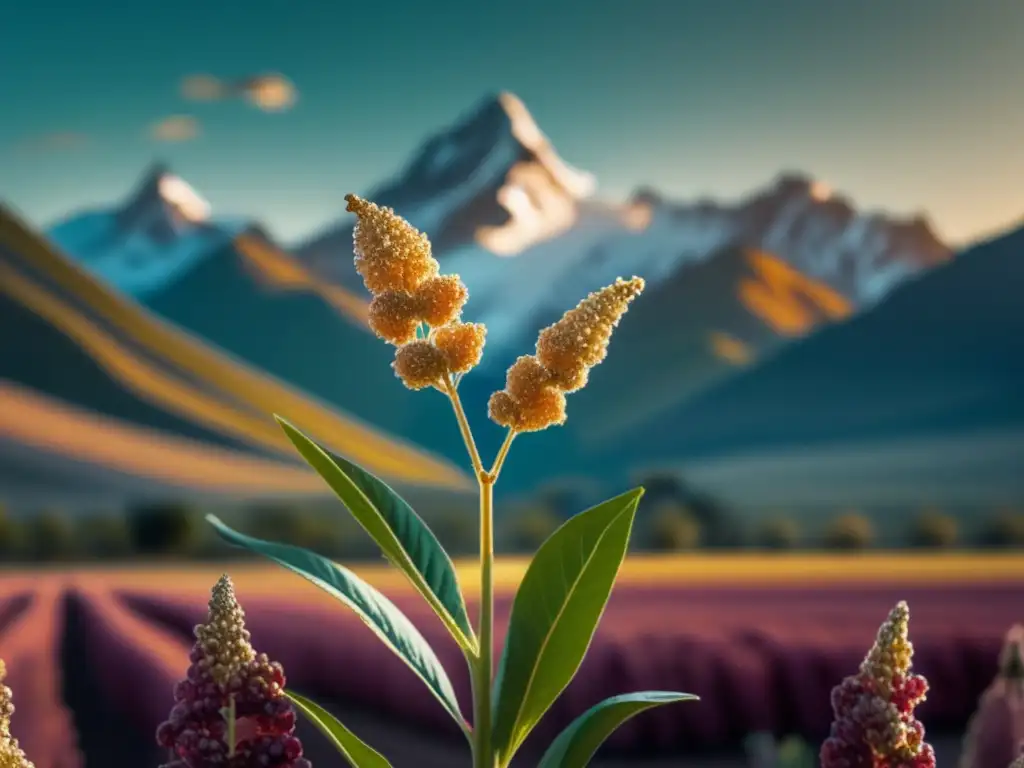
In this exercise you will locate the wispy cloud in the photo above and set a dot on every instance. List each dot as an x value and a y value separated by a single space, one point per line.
175 128
270 92
53 141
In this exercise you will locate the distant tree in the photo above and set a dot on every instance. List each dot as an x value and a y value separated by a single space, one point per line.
673 527
51 536
719 527
661 486
165 529
934 529
529 526
12 537
1004 529
850 531
564 497
105 536
779 532
287 524
458 533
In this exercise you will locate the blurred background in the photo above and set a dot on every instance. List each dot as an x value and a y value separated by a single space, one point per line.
822 388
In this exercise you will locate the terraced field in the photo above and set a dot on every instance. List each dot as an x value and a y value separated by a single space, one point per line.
94 653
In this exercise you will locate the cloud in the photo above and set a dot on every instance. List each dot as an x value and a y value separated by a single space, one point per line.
175 128
268 92
202 88
53 141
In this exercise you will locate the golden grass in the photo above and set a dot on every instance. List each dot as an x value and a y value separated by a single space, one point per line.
247 386
697 570
136 374
57 428
785 299
281 271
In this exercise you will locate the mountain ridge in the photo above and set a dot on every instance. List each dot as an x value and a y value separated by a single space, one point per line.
940 355
199 382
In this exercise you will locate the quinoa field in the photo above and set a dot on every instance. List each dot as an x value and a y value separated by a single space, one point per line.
94 653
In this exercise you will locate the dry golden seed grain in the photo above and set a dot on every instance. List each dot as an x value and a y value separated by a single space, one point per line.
462 345
394 316
419 364
390 254
441 299
569 381
561 350
503 410
580 339
526 378
545 409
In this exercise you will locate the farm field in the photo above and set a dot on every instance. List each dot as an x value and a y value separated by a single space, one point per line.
94 653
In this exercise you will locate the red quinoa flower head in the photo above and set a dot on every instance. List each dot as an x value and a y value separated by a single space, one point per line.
224 668
874 725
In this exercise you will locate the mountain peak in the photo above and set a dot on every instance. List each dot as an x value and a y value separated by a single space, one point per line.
491 178
163 203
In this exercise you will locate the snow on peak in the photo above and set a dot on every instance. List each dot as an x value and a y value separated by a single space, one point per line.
524 128
540 191
178 194
491 179
160 232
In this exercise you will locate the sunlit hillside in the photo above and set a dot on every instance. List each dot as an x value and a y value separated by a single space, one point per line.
69 337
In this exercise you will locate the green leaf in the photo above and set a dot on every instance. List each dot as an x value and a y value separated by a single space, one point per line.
404 538
576 745
358 753
373 608
555 614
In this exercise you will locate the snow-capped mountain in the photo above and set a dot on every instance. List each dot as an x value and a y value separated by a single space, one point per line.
492 179
526 234
159 232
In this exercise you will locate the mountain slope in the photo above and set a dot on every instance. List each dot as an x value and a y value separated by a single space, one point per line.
943 355
89 347
684 335
258 303
50 450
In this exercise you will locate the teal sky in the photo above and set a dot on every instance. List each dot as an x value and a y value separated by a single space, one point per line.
904 104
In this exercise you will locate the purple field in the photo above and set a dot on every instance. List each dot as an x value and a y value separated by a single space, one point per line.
760 657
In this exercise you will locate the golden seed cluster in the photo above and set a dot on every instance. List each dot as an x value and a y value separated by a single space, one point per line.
536 385
224 638
892 652
11 755
397 267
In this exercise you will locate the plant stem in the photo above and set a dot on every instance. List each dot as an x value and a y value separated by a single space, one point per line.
467 434
483 751
499 460
232 717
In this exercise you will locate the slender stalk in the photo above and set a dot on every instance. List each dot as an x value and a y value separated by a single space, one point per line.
467 434
232 725
483 750
499 460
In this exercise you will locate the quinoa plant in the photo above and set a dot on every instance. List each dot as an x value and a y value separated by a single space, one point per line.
11 755
230 710
874 724
565 589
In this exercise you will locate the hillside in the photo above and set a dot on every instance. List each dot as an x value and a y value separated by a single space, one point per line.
941 356
255 301
71 339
